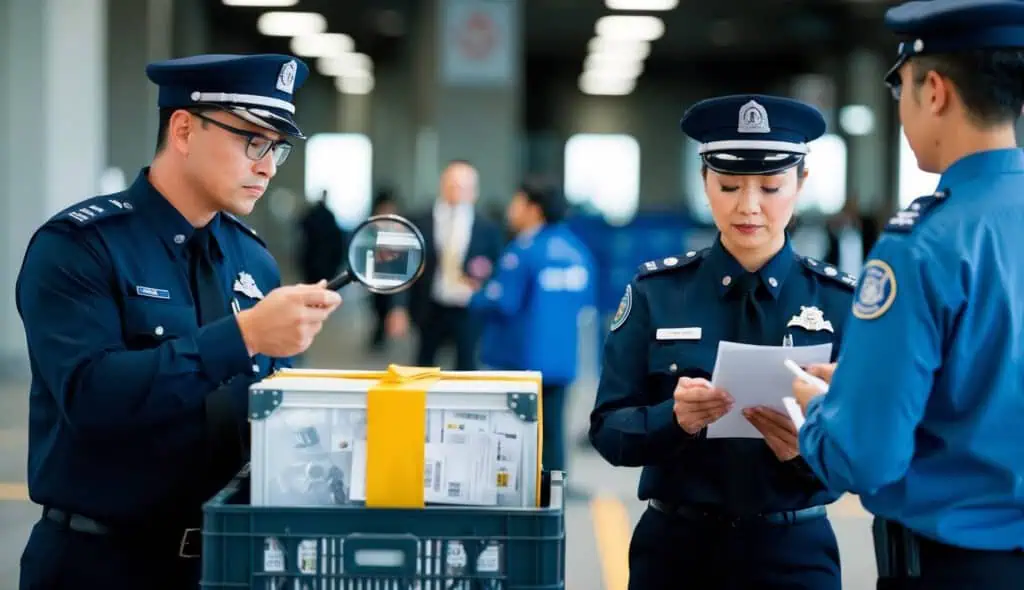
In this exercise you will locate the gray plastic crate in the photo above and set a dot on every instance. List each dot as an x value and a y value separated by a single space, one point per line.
359 548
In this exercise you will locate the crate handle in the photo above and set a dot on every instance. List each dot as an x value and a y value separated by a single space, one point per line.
387 555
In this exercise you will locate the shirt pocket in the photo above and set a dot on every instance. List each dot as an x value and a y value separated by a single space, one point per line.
149 322
670 360
804 337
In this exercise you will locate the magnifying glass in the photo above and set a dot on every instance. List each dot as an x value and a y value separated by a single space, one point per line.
385 254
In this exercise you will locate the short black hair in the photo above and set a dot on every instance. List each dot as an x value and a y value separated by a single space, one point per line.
552 203
990 82
164 124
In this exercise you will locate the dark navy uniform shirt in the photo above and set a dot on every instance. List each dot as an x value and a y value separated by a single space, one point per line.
633 421
120 366
924 414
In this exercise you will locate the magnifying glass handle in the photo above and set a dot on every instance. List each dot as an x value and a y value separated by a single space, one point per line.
343 278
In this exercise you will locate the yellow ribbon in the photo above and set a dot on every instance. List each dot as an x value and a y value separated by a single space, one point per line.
396 427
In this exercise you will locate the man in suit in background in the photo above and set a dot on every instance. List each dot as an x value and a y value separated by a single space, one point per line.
462 248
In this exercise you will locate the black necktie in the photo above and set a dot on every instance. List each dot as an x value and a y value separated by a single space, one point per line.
744 458
751 324
206 288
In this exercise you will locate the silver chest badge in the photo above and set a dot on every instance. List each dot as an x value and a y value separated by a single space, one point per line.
245 285
811 319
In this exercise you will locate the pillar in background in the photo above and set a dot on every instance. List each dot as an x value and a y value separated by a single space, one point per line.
53 112
468 72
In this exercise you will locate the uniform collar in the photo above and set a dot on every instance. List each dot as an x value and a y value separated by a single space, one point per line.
980 164
166 221
726 270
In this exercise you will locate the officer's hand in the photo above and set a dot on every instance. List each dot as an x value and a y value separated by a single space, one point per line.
804 392
778 430
697 404
285 322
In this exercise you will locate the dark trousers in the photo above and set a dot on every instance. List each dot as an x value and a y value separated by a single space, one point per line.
57 558
945 567
443 325
553 453
670 552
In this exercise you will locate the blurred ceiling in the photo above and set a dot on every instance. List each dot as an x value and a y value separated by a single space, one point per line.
697 30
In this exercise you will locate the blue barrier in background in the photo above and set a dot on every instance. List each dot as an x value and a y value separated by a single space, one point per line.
619 250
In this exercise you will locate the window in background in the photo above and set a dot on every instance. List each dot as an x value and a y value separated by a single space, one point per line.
913 181
825 190
603 170
341 164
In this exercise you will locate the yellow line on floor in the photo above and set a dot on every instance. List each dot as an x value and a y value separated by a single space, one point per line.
612 532
13 491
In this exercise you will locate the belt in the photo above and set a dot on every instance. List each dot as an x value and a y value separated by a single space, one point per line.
695 513
189 544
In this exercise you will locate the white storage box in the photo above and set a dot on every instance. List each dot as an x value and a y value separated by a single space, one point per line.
311 446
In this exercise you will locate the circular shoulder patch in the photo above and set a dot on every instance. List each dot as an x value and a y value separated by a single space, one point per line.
625 306
876 290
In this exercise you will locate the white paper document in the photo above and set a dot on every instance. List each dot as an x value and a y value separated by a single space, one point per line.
757 376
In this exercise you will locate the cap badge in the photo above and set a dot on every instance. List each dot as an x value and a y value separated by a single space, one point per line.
753 119
286 77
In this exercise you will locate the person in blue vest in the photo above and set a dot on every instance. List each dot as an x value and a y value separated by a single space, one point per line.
530 307
725 513
148 313
924 413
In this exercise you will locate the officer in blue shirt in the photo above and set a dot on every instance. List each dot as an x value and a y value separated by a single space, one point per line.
140 363
531 306
925 409
724 512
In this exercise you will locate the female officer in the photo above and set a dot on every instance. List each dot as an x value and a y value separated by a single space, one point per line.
733 513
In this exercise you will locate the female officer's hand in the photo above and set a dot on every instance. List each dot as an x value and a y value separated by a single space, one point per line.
697 404
778 430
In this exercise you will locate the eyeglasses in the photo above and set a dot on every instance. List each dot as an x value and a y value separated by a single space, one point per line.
257 145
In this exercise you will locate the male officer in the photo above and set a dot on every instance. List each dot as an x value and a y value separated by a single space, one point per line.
724 513
140 370
531 306
933 443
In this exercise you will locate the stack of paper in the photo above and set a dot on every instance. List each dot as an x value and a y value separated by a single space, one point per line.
757 376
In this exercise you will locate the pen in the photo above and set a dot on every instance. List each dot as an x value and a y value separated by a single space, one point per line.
806 377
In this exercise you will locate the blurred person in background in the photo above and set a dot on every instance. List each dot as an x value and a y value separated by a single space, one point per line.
462 247
923 415
323 243
384 203
725 513
531 306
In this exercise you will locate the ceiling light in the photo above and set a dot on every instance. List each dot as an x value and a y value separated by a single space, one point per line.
322 45
590 83
612 67
354 84
640 28
291 24
263 3
626 48
857 119
641 4
347 64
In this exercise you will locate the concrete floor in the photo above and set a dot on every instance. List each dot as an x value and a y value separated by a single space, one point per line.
599 519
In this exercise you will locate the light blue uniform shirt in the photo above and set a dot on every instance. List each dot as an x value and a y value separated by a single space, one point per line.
924 418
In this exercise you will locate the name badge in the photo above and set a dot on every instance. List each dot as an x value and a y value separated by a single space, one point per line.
154 293
678 334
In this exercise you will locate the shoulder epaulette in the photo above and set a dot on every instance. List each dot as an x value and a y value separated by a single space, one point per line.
95 209
905 220
245 229
652 267
829 272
